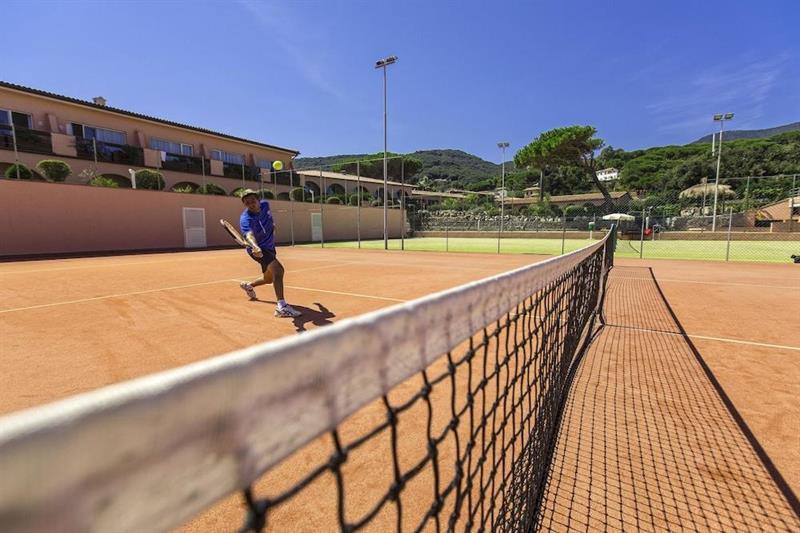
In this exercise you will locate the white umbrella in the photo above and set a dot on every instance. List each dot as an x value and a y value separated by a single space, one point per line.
619 216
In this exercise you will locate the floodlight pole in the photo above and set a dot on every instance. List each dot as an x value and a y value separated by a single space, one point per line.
502 145
721 118
383 63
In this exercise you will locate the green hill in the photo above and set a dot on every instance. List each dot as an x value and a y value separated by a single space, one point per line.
446 168
733 135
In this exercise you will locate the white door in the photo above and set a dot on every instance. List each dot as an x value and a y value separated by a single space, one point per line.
194 227
316 227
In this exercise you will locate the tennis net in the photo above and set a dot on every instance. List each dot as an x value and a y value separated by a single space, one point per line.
438 413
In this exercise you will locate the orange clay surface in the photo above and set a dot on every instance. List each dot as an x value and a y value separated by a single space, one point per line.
72 325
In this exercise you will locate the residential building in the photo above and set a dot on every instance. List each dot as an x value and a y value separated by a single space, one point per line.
341 184
94 138
608 174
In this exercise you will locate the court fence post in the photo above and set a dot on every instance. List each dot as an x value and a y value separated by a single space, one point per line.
730 223
563 233
641 237
321 210
446 237
358 203
402 203
291 207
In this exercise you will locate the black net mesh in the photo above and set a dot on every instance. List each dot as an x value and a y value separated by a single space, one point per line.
466 444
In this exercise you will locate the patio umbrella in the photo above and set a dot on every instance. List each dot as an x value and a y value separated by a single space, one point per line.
619 217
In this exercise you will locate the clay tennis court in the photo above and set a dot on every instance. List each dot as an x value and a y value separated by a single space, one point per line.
73 325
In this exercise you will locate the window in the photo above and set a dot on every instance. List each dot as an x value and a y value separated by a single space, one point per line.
264 163
171 147
100 134
227 157
20 120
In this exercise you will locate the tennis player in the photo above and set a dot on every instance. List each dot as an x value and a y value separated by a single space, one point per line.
257 226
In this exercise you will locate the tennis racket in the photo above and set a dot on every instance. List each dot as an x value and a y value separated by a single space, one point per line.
233 232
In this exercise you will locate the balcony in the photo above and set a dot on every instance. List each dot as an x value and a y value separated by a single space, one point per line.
187 163
234 170
32 141
122 154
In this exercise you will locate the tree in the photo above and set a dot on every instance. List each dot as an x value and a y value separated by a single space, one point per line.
53 169
371 166
19 170
211 188
149 179
571 146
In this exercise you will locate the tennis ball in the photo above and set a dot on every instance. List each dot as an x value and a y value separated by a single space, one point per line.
277 165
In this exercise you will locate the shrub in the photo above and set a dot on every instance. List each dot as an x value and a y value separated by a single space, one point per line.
149 179
353 200
24 172
333 200
573 211
296 194
267 194
185 189
53 169
102 181
211 188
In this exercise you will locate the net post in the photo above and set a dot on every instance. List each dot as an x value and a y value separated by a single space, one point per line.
728 245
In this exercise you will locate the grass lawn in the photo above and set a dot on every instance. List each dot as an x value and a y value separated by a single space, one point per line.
772 251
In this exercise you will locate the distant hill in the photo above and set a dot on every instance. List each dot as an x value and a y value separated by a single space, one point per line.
452 168
733 135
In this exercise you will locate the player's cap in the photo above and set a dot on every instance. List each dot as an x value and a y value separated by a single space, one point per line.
248 192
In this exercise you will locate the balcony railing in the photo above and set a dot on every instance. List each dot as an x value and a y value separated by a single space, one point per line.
186 163
235 170
109 152
32 141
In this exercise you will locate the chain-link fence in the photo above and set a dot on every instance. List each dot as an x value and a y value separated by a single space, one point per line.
757 219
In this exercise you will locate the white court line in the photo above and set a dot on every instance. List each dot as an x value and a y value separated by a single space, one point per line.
707 338
104 265
121 294
673 280
355 294
107 296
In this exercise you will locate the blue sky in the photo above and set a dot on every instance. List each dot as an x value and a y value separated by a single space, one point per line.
300 73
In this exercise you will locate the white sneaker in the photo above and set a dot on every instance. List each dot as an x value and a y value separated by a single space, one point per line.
246 287
287 311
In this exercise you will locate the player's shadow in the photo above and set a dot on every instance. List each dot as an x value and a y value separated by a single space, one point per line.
317 317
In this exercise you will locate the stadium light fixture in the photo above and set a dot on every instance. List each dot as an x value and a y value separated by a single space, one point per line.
721 118
383 63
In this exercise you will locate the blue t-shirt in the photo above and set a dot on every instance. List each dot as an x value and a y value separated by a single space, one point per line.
261 225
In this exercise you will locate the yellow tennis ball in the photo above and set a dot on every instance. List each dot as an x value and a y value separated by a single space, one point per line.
277 165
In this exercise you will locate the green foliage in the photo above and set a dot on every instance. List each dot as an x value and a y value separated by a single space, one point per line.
371 166
184 189
211 188
573 211
570 146
439 170
24 172
53 169
334 200
675 168
149 179
102 181
267 194
297 194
